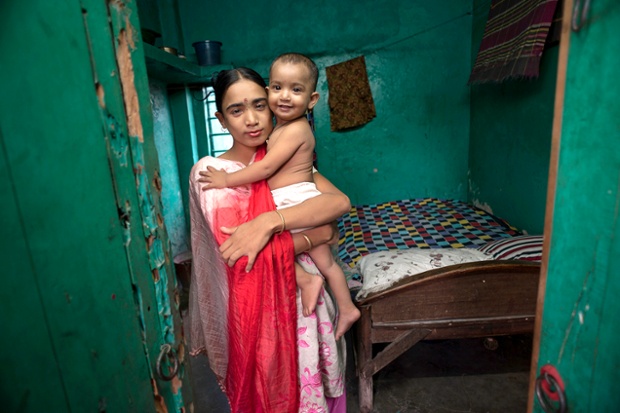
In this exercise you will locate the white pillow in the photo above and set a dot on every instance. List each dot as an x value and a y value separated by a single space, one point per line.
380 270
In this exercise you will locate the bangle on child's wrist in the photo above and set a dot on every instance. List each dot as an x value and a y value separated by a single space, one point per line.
308 241
283 222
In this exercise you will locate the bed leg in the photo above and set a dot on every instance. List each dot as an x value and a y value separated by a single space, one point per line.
364 357
365 394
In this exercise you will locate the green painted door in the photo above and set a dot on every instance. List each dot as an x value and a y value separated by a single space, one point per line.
87 301
580 328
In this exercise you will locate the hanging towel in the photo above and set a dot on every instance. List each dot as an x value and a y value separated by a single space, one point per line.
350 99
513 40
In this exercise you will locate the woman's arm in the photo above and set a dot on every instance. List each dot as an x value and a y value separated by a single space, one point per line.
324 234
248 239
322 209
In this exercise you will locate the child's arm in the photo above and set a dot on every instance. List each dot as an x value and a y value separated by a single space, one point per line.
278 154
249 238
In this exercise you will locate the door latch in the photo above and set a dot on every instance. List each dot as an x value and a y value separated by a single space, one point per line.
549 388
167 352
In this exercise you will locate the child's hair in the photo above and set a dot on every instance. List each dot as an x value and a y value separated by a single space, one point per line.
227 78
298 58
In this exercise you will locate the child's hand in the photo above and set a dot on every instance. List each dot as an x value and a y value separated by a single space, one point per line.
212 178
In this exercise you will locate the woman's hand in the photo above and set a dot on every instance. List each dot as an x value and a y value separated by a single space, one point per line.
249 238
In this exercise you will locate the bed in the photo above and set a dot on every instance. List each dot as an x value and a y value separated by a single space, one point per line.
429 269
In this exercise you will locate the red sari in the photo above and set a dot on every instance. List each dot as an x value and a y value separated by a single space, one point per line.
258 368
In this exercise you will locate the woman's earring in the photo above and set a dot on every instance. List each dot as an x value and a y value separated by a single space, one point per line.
223 128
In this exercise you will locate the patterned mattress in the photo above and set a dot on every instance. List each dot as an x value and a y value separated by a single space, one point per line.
421 223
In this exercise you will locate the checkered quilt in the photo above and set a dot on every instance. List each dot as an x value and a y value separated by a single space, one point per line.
421 223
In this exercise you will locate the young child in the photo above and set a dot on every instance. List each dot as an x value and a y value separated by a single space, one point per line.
288 167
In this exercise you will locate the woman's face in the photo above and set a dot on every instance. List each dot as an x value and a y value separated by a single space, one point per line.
246 114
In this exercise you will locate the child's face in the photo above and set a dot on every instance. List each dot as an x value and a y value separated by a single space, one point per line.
291 91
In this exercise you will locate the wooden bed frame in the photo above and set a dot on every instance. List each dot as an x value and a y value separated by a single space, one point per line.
477 299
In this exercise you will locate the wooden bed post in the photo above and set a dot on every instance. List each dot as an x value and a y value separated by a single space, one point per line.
364 357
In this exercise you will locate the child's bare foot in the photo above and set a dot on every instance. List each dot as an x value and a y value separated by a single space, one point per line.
347 317
310 290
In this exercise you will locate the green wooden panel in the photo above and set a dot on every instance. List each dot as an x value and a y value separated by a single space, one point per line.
23 318
151 262
54 135
121 160
580 322
55 149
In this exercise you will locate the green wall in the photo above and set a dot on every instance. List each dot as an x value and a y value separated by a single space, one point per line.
417 55
510 139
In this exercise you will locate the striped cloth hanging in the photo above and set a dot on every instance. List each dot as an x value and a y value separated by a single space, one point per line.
513 40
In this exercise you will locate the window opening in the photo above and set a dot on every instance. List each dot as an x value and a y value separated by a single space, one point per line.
219 139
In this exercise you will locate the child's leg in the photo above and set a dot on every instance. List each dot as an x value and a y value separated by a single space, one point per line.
348 312
310 286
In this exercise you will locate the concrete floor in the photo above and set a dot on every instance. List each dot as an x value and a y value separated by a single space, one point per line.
453 376
433 377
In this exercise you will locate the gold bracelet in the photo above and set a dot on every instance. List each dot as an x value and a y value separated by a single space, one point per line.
310 246
283 223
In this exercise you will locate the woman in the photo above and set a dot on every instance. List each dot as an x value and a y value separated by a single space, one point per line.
246 316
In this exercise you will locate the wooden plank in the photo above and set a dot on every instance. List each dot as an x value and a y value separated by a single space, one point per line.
479 328
481 267
450 322
461 295
364 357
396 348
171 69
551 187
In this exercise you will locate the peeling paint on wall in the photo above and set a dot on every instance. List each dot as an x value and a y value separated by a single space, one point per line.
151 222
124 216
482 205
130 94
100 95
118 142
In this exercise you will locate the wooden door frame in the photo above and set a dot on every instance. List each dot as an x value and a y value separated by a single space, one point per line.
551 191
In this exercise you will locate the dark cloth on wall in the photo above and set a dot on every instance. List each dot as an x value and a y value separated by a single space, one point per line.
350 99
513 40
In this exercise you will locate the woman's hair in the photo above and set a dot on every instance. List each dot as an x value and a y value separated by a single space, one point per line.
227 78
298 58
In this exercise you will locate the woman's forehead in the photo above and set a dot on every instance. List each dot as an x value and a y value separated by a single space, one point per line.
243 91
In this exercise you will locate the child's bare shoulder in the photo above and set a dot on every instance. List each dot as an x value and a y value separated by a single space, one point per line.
300 128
